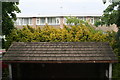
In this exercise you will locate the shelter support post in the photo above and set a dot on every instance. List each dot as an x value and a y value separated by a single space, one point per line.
110 71
10 72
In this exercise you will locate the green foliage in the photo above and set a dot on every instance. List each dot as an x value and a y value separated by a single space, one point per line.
75 21
79 32
73 33
9 10
116 48
116 67
111 15
97 23
116 71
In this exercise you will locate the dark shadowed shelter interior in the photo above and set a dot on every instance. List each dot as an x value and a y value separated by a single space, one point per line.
60 60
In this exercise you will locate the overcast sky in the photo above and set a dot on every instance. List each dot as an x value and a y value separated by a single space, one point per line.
54 7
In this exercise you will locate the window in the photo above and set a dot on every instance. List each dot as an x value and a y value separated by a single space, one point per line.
30 21
40 21
65 21
19 21
23 21
57 20
27 21
92 20
82 18
53 21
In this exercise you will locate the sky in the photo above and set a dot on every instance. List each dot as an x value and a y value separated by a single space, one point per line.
55 7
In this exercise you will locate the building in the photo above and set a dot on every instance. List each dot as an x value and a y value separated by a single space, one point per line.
53 20
60 60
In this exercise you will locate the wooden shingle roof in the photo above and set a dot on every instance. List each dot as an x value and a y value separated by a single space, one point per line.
60 52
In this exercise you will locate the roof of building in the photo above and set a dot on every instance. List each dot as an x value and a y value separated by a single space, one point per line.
79 15
60 52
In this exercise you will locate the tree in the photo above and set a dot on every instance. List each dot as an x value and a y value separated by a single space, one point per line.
111 16
79 33
75 21
9 10
73 33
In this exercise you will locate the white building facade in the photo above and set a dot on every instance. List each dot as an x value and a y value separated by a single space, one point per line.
52 20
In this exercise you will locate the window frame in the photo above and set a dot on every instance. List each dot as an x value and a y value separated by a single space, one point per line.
28 19
21 21
38 23
92 20
65 21
55 23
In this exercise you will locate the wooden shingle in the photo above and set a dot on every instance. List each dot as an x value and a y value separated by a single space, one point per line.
64 52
